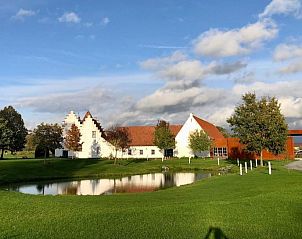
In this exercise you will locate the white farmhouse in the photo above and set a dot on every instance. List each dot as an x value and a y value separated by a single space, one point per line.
95 145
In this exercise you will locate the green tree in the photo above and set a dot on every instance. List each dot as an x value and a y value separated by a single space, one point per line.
163 137
119 138
259 124
224 132
199 141
48 137
73 138
13 131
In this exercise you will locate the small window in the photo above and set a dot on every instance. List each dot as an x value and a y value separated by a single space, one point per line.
93 134
129 152
152 151
141 152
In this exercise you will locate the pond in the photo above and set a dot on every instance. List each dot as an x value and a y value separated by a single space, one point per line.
131 184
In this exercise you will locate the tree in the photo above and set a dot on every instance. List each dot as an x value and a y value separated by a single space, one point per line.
224 132
29 145
163 137
12 130
72 139
48 137
119 138
199 141
259 124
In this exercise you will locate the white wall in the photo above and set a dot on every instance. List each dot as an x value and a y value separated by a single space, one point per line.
182 139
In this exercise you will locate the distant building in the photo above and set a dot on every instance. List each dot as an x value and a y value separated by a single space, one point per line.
95 145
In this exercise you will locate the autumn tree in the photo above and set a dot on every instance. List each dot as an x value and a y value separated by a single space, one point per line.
73 138
259 124
119 138
48 137
12 130
199 141
163 137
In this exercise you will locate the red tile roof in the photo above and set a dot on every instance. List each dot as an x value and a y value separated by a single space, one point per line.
209 128
144 135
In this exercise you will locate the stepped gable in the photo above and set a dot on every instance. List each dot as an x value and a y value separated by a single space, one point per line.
97 124
209 128
144 135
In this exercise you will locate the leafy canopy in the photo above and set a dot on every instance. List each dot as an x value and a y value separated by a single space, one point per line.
199 141
259 124
163 137
12 130
73 138
48 137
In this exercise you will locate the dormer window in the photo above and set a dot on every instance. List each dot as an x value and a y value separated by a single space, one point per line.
93 134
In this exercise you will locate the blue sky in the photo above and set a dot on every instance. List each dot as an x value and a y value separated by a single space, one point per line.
133 62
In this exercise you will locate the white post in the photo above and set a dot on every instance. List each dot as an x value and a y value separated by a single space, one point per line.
256 162
190 160
162 158
240 169
245 166
269 168
251 164
237 161
218 161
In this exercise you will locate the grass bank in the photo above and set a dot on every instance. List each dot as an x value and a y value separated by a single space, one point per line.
35 170
256 205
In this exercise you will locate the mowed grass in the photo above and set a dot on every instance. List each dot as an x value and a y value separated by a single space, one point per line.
37 170
256 205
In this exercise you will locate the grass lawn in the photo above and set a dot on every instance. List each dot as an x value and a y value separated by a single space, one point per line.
256 205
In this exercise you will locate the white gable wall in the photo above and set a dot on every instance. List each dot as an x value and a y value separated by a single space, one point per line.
182 138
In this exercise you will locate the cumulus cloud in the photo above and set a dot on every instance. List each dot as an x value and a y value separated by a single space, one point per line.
225 43
69 17
23 13
284 7
105 21
287 51
225 68
293 67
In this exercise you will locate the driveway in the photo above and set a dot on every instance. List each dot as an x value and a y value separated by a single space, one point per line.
297 165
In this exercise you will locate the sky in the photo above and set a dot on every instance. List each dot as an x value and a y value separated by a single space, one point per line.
134 62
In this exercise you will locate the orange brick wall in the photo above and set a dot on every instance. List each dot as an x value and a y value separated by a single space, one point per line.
236 150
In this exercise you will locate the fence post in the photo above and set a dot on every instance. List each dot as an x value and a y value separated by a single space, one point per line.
237 161
269 168
240 169
251 164
245 166
218 161
190 160
256 162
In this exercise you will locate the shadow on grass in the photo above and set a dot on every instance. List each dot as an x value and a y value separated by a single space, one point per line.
216 233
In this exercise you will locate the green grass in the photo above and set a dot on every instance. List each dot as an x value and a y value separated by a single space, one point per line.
35 170
256 205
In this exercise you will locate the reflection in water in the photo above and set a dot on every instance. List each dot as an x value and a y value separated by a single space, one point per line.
136 183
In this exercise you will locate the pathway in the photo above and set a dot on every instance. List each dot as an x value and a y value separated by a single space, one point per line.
297 165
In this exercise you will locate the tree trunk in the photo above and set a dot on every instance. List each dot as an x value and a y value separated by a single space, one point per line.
2 153
115 156
45 154
261 158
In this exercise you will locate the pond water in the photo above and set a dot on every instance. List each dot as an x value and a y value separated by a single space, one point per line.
137 183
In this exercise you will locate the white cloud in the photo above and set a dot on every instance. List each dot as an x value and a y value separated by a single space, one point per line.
23 13
105 21
219 43
292 67
284 7
69 17
287 51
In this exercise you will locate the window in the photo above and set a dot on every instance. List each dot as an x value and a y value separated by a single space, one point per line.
220 152
141 152
152 151
93 134
129 152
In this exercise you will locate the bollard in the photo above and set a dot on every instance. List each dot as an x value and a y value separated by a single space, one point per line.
189 160
237 161
251 164
240 169
218 161
269 168
245 166
256 163
162 159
